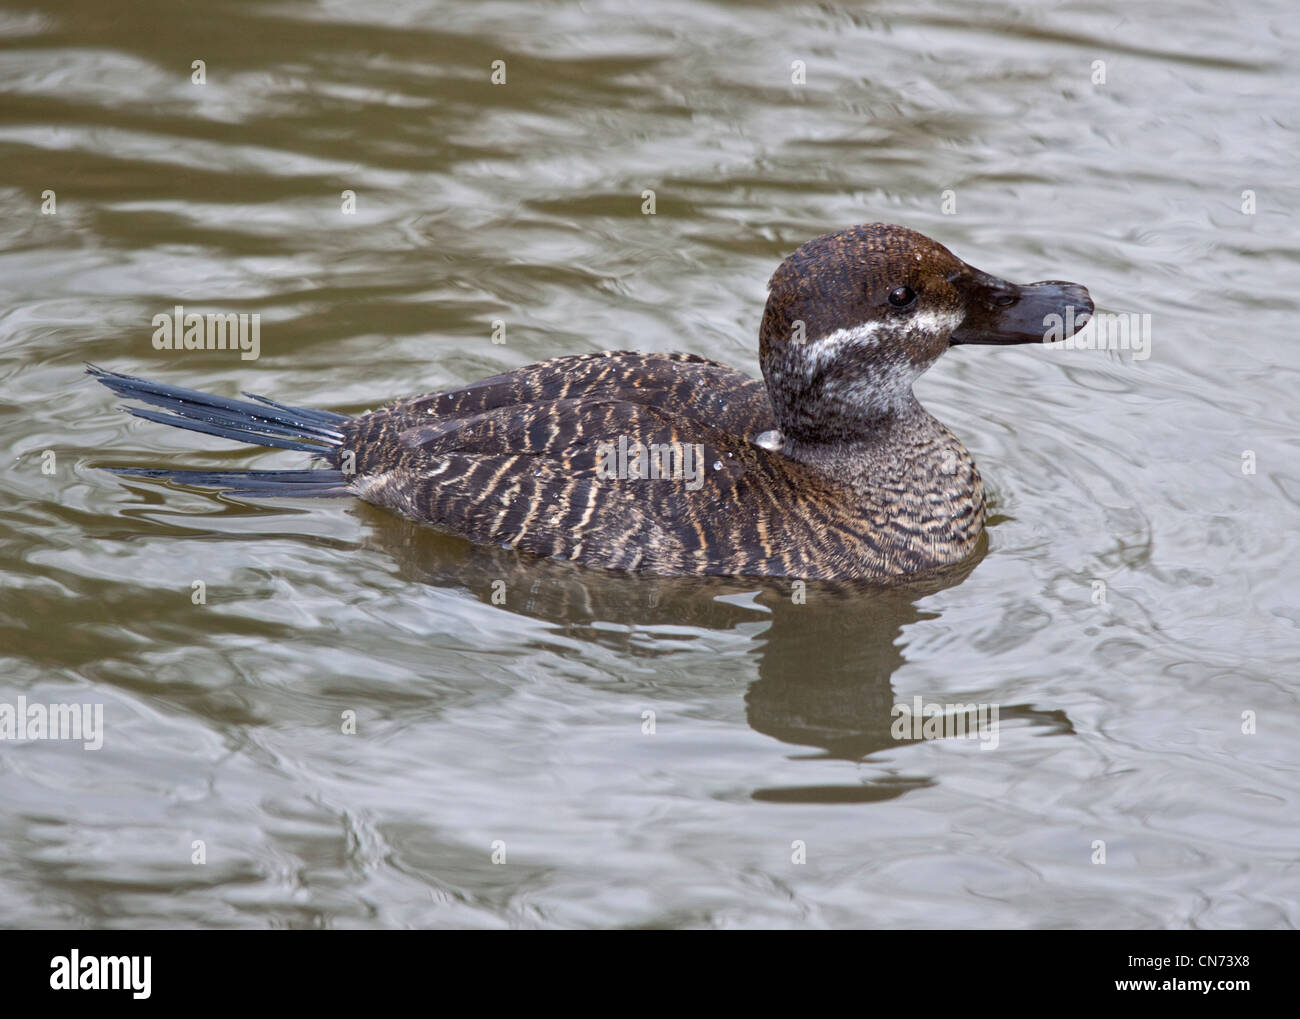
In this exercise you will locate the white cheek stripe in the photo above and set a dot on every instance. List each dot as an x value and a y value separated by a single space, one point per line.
832 345
889 384
934 321
868 334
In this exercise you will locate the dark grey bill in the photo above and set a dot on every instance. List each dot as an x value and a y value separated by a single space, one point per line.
1005 313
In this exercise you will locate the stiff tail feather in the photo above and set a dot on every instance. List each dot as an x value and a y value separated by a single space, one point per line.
258 421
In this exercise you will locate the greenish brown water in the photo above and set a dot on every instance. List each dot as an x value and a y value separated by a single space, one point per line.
522 723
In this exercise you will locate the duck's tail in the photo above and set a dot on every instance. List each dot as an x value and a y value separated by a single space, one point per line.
262 423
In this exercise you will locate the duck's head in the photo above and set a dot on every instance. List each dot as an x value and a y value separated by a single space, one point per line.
854 317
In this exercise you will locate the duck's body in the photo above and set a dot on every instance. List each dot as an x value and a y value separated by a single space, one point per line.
515 460
670 463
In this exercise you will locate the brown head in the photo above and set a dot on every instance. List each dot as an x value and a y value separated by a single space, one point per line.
854 317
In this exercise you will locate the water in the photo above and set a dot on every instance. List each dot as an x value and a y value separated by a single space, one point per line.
1120 722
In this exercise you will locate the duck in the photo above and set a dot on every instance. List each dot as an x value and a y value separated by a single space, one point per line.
829 468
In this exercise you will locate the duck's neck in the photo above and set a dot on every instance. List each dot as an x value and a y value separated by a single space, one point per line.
908 465
881 447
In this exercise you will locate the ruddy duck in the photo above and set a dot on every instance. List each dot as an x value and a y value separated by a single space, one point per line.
674 464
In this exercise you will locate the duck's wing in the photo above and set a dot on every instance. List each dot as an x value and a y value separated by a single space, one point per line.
688 386
555 478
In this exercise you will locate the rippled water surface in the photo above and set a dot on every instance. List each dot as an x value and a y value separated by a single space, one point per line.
1135 610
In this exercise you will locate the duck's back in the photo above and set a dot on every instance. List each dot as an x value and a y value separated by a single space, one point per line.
683 385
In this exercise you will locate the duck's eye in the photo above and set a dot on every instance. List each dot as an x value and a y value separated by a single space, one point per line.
901 297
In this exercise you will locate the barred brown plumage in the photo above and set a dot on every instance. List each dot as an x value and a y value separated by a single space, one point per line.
829 468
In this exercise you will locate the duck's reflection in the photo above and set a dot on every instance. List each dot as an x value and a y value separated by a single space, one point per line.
824 664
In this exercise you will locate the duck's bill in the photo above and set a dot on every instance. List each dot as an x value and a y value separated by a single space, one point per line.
1005 313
